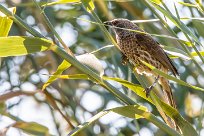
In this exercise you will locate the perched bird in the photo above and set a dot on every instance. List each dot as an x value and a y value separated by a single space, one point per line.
140 46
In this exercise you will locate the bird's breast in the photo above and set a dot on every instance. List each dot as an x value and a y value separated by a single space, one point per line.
137 53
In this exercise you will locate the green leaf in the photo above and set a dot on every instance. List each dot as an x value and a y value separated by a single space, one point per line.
89 5
187 4
134 87
156 1
177 22
88 122
176 52
2 107
130 111
63 66
171 77
6 23
185 126
61 2
17 45
32 128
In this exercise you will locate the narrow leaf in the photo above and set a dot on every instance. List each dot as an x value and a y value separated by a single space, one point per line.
63 66
6 23
88 122
32 128
17 45
187 4
61 2
129 111
171 77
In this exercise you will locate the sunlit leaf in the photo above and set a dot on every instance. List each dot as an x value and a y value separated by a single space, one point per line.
130 111
171 77
32 128
186 128
63 66
134 87
170 111
17 45
89 5
61 2
156 1
6 23
187 4
87 59
88 122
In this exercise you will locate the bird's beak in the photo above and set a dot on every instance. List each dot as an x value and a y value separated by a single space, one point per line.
108 23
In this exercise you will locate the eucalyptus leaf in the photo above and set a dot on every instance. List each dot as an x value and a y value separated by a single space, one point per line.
32 128
17 45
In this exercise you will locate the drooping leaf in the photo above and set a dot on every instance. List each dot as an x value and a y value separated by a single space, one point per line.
130 111
63 66
87 59
61 2
134 87
88 122
171 77
185 126
187 4
32 128
17 45
6 23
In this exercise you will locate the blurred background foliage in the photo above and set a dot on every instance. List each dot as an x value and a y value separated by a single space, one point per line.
69 103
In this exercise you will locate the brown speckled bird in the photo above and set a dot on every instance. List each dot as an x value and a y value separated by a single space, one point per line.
137 47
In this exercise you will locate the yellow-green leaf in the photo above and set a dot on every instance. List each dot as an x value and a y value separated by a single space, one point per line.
185 126
171 77
32 128
156 1
61 2
63 66
130 111
6 23
89 5
17 45
187 4
134 87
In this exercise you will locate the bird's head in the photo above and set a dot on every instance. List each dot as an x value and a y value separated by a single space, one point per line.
117 24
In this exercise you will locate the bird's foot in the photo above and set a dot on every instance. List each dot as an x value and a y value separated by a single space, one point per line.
124 59
147 90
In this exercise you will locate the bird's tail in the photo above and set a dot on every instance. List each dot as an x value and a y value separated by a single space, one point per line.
168 93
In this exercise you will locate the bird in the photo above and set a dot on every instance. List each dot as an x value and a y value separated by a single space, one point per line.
137 46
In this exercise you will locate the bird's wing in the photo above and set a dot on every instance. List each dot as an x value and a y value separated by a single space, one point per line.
153 47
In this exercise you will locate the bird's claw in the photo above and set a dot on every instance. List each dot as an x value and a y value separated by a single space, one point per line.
147 90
